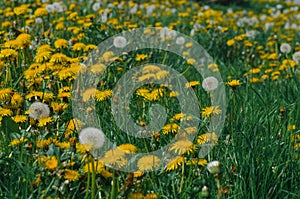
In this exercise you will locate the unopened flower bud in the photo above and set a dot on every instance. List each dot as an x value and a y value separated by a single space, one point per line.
204 192
214 167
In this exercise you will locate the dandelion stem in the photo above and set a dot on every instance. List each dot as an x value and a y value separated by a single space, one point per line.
219 187
114 183
88 184
93 179
182 178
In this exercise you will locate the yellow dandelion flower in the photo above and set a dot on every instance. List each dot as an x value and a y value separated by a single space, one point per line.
197 161
73 125
202 162
230 42
129 148
42 56
234 83
115 157
6 24
162 74
289 62
16 99
59 58
78 46
255 80
150 69
59 107
98 167
24 39
61 43
43 143
103 95
174 163
106 174
147 77
272 56
192 84
291 127
11 44
71 175
181 117
191 61
39 12
51 163
154 95
62 145
148 163
89 94
207 138
182 146
21 10
174 94
43 48
20 118
44 121
191 130
98 68
5 112
189 44
297 146
254 70
136 195
5 94
213 67
141 57
170 128
138 174
17 141
80 148
151 196
207 111
89 47
8 53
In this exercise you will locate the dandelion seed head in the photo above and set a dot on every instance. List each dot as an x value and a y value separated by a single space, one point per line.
180 40
38 110
296 57
285 48
210 83
92 138
120 42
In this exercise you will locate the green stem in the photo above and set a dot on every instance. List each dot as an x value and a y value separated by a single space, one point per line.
113 189
87 184
219 187
93 180
182 178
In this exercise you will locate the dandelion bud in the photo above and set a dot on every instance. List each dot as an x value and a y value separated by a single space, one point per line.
204 192
214 167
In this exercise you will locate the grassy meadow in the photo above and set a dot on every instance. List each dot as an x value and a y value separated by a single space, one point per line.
47 149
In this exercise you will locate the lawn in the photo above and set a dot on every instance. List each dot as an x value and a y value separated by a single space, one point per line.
149 99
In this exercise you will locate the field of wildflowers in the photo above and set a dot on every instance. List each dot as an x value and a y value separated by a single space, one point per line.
49 149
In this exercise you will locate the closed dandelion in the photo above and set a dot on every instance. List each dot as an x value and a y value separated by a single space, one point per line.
71 175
